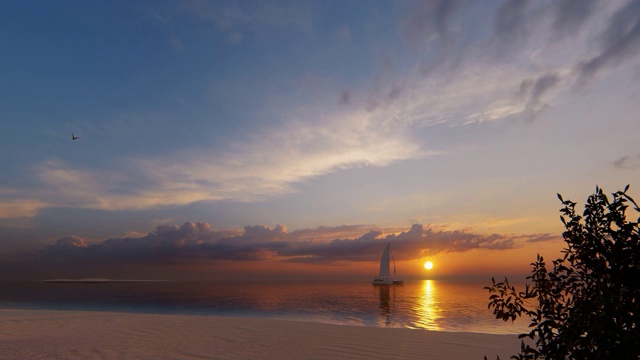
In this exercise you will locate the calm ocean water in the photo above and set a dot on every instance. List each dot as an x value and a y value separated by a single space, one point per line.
426 304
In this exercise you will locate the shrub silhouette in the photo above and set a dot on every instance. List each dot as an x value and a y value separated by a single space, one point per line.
587 306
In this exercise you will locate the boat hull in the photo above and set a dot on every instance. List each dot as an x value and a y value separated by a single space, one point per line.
379 281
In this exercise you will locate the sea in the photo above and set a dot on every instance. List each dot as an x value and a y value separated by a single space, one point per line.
422 304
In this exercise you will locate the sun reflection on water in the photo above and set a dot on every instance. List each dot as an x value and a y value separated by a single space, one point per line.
427 307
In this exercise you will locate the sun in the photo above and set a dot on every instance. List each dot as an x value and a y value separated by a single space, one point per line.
428 265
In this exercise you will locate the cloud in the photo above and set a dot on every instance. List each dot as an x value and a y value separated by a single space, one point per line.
628 162
371 123
543 237
619 42
75 187
510 23
268 162
192 242
516 22
345 97
17 205
67 249
509 16
327 233
433 29
533 47
65 186
429 21
66 243
264 233
560 35
533 90
571 15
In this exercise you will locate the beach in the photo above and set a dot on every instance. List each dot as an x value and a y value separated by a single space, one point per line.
58 334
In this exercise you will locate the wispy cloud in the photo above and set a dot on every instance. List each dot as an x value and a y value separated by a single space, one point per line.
429 22
268 163
524 63
533 90
618 43
235 17
570 15
20 207
544 47
628 162
510 23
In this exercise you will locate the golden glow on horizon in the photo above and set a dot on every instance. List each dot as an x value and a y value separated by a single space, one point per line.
428 265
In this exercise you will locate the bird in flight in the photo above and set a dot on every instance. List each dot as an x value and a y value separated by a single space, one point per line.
73 136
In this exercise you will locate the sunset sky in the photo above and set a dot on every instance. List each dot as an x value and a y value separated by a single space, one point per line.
259 139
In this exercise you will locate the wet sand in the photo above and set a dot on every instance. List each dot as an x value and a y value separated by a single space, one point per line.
56 334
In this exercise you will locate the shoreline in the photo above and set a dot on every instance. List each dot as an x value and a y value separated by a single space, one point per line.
243 315
74 334
438 305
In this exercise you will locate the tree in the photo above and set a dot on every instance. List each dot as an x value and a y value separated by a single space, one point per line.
587 306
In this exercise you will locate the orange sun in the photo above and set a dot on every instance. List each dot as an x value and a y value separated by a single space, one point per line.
428 265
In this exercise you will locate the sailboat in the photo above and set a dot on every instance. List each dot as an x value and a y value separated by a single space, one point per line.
385 278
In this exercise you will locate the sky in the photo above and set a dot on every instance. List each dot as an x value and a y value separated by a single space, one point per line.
249 140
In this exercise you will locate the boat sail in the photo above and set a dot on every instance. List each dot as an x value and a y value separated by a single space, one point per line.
385 277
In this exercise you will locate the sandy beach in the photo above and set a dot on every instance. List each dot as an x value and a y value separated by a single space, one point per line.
49 334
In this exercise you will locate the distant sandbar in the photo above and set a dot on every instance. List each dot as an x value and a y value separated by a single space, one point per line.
98 280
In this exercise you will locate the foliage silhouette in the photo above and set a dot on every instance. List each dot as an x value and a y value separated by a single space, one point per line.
588 305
